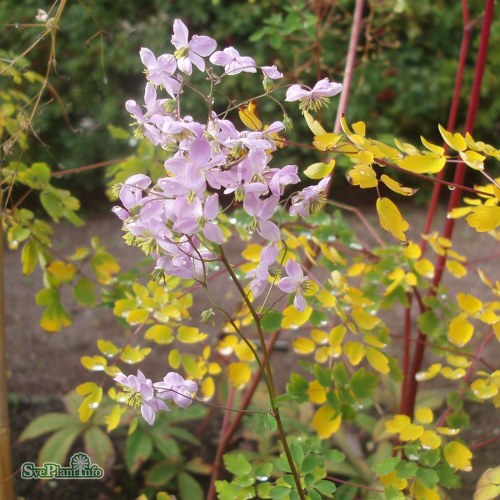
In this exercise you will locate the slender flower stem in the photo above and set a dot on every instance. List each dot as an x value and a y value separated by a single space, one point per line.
267 372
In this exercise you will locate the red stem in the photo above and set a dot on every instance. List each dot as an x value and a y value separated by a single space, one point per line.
406 352
455 196
464 49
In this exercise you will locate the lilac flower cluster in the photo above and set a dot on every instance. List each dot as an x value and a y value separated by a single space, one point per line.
139 392
179 215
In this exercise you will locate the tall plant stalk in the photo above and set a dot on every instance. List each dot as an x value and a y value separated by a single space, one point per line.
454 198
6 486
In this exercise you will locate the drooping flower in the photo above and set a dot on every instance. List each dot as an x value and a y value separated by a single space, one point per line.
175 387
314 98
310 199
232 61
260 274
271 72
139 393
193 52
262 211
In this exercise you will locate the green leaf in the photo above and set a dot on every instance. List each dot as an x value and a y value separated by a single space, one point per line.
271 321
340 374
428 477
56 448
430 458
161 473
52 205
327 488
168 447
99 447
334 456
263 470
270 423
404 470
139 447
323 375
447 476
47 423
237 464
84 292
297 453
189 488
392 493
298 387
428 322
363 383
29 256
386 465
279 492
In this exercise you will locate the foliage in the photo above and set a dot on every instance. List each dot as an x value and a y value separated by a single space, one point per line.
303 273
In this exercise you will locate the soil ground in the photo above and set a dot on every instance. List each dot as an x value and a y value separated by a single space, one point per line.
43 366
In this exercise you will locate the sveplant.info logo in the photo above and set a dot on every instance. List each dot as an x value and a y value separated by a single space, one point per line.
80 467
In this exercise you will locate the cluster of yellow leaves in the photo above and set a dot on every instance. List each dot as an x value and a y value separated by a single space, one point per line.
442 246
482 212
456 454
487 386
488 486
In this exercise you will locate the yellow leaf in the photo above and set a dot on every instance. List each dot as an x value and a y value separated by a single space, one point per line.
174 359
429 163
243 352
397 423
248 117
319 170
484 218
411 432
337 335
483 390
354 351
432 147
112 420
458 361
447 431
137 316
239 374
458 456
432 371
456 213
326 298
303 345
425 268
430 440
293 319
391 479
94 363
324 142
319 336
161 334
316 392
363 319
61 270
456 269
378 360
89 404
473 160
410 279
396 186
452 374
412 251
460 330
424 415
86 388
190 335
359 128
363 176
208 388
455 141
326 421
391 219
133 355
469 303
374 341
313 124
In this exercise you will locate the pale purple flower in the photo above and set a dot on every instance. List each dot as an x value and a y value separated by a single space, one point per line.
175 387
232 61
282 178
294 282
262 211
131 194
310 199
260 274
313 98
139 393
271 72
159 71
193 52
